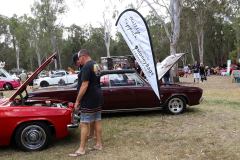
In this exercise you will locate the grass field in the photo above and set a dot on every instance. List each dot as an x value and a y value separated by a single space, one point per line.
206 131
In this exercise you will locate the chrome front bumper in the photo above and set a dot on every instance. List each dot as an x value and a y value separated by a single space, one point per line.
74 119
72 127
201 99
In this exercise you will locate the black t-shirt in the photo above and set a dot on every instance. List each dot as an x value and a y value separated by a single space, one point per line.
167 74
93 97
202 70
195 67
138 69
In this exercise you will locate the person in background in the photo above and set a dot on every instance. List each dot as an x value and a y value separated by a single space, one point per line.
23 77
158 69
49 73
159 62
124 65
186 70
202 72
115 66
166 77
138 69
195 68
189 70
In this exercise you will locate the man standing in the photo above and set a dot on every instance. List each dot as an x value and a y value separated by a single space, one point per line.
186 70
89 98
138 69
124 65
195 68
23 77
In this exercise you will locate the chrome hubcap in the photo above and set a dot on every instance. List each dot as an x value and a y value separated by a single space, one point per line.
175 105
33 137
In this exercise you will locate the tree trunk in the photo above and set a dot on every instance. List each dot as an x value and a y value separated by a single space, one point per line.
192 52
31 64
38 56
175 12
108 44
59 58
17 56
174 70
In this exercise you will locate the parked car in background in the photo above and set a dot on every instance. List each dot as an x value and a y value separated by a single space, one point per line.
54 79
7 81
126 90
32 123
181 72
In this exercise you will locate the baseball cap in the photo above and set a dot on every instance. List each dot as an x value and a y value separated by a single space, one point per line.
124 63
74 58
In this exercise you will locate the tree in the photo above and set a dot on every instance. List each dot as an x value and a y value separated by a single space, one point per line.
47 12
17 27
107 27
174 10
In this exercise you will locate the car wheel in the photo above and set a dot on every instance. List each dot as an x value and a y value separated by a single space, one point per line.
44 84
7 86
181 75
175 105
33 136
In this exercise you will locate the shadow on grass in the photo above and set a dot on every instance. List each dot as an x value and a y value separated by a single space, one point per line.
193 110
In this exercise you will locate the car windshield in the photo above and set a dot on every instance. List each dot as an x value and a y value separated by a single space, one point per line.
4 71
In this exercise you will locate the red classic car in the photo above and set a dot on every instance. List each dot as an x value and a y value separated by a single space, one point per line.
128 91
31 123
181 72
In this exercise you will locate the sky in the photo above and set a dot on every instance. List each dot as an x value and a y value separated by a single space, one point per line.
76 15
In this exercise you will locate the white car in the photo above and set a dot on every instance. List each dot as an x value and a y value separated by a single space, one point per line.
55 78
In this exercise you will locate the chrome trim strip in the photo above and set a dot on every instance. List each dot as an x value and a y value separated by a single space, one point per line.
135 109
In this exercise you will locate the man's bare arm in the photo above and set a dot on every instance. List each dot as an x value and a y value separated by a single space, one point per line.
82 91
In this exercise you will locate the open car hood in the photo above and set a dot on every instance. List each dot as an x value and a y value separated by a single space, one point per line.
167 63
31 78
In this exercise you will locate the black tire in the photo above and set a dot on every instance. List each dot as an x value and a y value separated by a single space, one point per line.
33 136
44 84
8 86
181 75
175 105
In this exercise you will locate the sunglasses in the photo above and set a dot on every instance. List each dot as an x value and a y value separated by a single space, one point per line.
80 56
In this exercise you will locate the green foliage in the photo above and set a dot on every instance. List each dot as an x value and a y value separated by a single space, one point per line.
39 36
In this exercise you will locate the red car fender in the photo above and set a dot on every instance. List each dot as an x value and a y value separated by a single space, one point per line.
59 118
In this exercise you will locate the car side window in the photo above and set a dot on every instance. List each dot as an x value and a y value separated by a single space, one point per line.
124 79
57 75
104 82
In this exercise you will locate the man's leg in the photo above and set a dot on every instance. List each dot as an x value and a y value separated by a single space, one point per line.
98 127
84 132
92 128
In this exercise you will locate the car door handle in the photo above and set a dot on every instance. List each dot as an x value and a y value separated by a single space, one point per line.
112 90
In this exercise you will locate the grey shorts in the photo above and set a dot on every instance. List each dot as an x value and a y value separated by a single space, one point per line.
88 118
